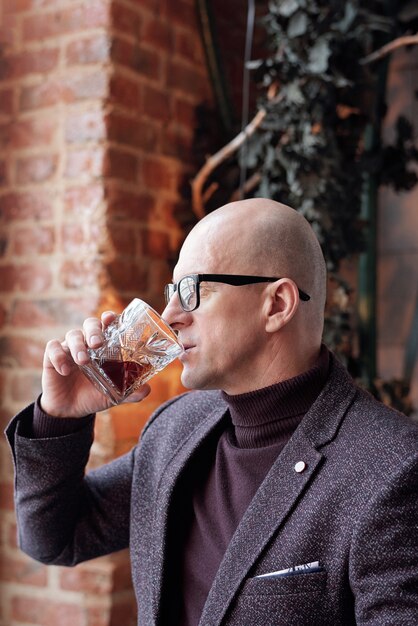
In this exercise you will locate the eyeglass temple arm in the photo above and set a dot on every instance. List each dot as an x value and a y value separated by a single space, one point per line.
246 280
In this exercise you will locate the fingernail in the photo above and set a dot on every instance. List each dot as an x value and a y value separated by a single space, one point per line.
95 340
65 369
82 356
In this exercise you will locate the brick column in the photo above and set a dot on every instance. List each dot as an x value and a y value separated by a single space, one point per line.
97 103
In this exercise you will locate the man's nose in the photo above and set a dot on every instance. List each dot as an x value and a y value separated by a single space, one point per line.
173 313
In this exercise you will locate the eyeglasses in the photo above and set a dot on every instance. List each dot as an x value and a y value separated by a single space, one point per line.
188 287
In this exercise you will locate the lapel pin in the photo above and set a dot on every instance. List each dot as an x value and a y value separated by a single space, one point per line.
300 466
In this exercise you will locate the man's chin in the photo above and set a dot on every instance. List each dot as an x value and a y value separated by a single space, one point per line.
190 380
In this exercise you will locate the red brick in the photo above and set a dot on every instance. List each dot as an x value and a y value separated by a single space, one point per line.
45 612
86 86
23 206
177 143
185 78
33 132
125 92
69 312
29 62
85 161
125 19
16 6
4 178
138 58
5 133
83 201
8 31
89 579
6 496
189 46
123 239
32 313
79 274
22 6
98 615
12 535
127 130
3 315
5 417
36 169
123 612
24 388
122 576
156 103
21 352
4 245
80 238
92 49
177 213
120 164
33 240
158 34
127 275
183 13
70 88
45 94
6 101
155 244
128 205
185 113
158 174
22 571
85 126
33 277
94 14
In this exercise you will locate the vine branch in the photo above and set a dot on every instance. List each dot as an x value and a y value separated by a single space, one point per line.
199 197
400 42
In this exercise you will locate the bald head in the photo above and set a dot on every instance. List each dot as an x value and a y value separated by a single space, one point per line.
248 337
266 238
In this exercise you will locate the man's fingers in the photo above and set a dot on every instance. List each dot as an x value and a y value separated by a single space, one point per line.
93 333
58 356
108 317
77 346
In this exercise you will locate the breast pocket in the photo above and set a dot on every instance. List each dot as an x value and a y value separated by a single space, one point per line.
297 600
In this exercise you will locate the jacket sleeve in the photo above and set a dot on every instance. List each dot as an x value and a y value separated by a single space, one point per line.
65 516
384 554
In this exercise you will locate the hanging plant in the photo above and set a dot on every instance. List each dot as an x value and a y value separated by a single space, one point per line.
321 85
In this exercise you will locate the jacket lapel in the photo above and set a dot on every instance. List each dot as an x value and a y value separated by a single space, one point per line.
271 504
279 493
165 492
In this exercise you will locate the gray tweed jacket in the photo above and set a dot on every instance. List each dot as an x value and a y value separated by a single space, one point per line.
352 508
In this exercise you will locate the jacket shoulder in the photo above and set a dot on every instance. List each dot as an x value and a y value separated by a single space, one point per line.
187 409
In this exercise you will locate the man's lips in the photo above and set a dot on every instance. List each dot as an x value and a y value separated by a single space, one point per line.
187 349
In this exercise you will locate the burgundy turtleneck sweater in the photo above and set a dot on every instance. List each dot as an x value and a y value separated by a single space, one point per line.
221 482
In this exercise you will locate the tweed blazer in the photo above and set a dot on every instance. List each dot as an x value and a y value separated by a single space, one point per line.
342 494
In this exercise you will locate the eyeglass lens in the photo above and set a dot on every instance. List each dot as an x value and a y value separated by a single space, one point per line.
188 293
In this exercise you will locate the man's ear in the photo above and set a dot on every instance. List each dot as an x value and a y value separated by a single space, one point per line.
281 304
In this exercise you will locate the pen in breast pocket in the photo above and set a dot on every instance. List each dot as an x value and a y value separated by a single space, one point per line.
296 569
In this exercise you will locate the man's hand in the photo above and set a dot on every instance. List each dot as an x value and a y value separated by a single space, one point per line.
66 392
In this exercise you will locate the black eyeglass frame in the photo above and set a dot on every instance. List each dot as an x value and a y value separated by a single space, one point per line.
229 279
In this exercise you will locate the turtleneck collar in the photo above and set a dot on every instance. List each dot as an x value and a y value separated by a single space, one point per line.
270 415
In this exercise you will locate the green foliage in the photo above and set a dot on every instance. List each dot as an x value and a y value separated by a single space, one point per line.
309 150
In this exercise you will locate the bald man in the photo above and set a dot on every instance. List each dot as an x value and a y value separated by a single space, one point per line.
276 493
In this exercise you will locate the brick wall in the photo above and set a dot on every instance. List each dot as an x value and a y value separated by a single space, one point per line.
97 111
